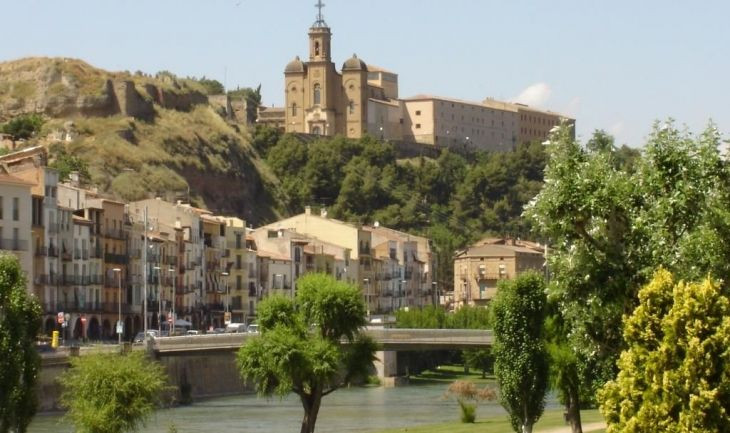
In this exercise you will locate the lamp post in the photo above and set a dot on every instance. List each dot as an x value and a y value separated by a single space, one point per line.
367 297
436 292
118 271
159 301
174 298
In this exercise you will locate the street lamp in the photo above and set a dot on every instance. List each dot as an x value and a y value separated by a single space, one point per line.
367 283
159 301
118 271
174 298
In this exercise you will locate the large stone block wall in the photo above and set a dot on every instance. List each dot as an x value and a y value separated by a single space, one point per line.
212 374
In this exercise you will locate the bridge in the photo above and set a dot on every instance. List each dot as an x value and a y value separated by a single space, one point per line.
391 339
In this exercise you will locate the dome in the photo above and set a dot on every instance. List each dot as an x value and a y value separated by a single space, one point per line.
295 66
354 64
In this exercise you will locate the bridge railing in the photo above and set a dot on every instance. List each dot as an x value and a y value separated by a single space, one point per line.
387 337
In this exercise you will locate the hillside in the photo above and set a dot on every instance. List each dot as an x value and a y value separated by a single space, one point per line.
141 135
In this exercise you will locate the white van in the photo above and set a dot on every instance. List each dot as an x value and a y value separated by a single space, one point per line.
235 328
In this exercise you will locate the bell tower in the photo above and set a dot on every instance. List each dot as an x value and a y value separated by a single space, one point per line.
320 38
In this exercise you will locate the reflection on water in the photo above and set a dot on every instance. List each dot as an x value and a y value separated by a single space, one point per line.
345 410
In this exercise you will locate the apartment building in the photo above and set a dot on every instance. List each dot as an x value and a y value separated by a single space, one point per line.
392 268
15 222
241 296
479 268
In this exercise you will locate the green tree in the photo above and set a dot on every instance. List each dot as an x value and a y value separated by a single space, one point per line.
611 224
310 346
479 359
111 393
23 127
211 86
674 375
520 356
20 318
66 163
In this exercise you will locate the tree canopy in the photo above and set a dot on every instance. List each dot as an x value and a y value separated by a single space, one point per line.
520 356
674 375
450 198
612 220
23 127
311 345
20 321
111 393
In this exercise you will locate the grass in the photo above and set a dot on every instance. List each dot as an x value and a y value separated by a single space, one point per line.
549 420
446 374
498 424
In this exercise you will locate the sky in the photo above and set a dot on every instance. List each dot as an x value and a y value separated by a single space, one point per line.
613 65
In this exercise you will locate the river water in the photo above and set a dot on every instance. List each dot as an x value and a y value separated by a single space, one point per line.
346 410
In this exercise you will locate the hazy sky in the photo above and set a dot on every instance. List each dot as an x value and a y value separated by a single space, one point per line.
614 65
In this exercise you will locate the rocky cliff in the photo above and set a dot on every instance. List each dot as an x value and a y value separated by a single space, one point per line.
141 135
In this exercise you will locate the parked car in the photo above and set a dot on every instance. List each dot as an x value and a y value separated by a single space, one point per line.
139 338
192 332
253 328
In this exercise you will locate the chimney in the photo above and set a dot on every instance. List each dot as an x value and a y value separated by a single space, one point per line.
307 210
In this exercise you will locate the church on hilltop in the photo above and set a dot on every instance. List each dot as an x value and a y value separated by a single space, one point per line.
363 99
321 100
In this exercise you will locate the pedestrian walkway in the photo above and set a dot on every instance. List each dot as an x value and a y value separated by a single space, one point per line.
589 427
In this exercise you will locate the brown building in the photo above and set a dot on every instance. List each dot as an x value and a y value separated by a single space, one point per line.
478 269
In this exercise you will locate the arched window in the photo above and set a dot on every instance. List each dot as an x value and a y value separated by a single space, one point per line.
316 131
294 109
352 106
317 96
316 48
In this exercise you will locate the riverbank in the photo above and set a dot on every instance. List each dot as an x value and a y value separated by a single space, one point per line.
551 422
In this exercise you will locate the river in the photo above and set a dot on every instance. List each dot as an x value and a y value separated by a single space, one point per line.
347 410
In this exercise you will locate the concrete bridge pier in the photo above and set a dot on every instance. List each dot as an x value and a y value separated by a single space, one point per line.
386 367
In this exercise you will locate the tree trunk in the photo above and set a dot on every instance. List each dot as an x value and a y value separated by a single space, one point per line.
526 428
572 407
311 404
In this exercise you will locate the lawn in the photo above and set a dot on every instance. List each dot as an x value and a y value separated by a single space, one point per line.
447 374
549 421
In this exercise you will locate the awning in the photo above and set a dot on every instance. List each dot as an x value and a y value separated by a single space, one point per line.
183 323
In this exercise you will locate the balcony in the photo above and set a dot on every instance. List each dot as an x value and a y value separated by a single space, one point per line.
118 259
66 255
113 233
13 245
113 282
80 307
47 279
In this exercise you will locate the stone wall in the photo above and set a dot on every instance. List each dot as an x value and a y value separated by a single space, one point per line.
212 374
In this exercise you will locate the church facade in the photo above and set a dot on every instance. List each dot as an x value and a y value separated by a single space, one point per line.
363 99
320 99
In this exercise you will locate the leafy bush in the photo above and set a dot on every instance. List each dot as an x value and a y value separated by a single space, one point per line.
111 393
23 127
